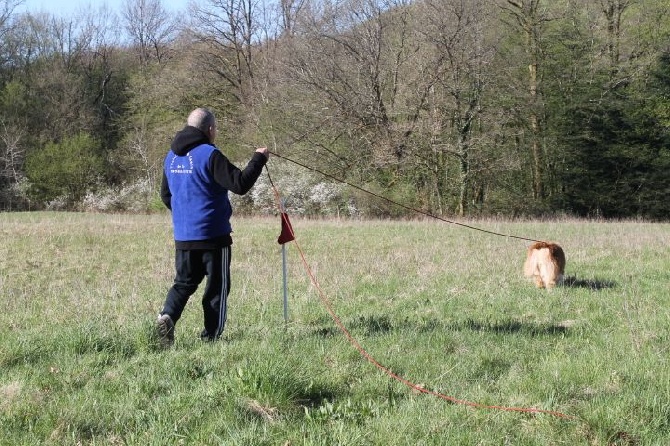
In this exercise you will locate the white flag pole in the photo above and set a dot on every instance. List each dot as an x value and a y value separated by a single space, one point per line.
284 270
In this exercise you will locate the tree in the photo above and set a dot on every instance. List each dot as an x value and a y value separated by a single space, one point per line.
6 25
13 138
68 70
618 149
364 69
150 28
290 11
613 11
457 31
227 31
66 170
530 17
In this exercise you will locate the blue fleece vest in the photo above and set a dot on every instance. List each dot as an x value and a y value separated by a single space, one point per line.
201 209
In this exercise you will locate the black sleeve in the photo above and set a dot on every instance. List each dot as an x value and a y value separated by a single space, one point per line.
232 178
166 195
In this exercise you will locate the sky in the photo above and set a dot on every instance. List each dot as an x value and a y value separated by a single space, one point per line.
69 7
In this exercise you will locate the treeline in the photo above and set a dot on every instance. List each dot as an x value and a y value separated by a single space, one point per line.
456 107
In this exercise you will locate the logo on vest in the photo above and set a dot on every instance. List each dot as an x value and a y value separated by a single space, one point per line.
181 165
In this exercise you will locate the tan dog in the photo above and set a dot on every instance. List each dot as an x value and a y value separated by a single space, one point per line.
545 263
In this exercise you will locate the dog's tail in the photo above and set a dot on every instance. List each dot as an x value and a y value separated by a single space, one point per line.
530 265
558 257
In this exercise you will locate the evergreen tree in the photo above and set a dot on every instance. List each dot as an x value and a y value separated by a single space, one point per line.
617 152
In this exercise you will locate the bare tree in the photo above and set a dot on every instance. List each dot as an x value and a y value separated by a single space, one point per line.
405 80
228 30
290 11
530 17
457 31
72 70
362 58
11 152
150 27
7 8
613 11
12 157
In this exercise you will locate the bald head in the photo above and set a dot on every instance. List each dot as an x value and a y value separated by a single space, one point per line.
203 119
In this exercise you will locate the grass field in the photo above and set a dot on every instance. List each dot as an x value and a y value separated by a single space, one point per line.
442 306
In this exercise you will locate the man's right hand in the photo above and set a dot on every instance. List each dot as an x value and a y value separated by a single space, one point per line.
264 151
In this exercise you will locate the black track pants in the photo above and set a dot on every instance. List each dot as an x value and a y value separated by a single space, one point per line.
191 267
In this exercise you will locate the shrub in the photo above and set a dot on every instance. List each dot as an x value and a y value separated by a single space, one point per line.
65 170
303 193
139 196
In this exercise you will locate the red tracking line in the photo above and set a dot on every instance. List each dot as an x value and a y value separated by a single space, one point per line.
376 363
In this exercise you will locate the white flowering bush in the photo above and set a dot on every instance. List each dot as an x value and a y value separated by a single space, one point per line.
59 203
352 209
133 197
302 192
325 198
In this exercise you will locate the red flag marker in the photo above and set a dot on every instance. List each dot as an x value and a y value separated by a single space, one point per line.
286 230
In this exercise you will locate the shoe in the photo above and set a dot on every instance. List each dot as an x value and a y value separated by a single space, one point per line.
206 337
165 328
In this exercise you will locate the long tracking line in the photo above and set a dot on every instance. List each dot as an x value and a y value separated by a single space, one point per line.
395 203
354 342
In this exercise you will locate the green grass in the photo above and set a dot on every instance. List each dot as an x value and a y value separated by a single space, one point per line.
443 306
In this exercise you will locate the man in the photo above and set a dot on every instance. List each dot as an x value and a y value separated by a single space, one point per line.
195 185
